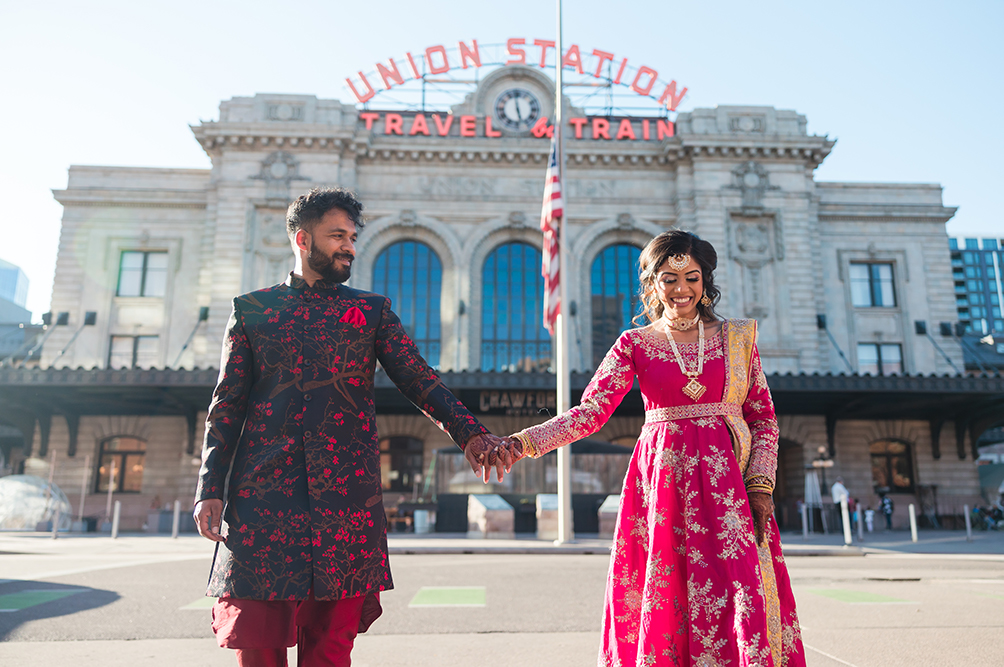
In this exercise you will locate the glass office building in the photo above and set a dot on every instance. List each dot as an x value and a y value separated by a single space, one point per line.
979 291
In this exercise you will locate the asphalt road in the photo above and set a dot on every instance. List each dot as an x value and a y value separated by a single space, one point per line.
83 606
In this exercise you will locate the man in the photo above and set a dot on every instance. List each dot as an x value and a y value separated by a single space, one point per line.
302 547
838 491
886 505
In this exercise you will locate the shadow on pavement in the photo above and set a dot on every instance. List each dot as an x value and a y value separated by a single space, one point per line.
24 600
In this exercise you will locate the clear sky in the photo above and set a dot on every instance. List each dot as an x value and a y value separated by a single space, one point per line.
911 90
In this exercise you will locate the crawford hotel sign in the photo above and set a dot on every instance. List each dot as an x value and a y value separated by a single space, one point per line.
518 109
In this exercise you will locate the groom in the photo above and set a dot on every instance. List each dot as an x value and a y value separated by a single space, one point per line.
302 542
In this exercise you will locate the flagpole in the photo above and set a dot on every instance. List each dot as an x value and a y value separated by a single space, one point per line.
561 329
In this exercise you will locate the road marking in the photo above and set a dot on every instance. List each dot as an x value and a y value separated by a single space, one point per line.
449 596
155 560
831 657
857 597
201 603
30 598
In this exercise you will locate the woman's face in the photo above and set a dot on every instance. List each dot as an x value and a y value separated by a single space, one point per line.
680 290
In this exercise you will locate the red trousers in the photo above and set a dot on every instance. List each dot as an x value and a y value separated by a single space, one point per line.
261 631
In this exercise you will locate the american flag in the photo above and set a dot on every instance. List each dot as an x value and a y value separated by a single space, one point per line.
550 224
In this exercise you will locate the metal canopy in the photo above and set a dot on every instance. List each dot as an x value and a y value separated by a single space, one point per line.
32 396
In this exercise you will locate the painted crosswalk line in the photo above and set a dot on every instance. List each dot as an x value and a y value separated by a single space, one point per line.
449 596
201 603
11 602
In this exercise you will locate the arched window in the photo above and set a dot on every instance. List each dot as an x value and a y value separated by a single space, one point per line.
410 273
513 337
892 466
121 458
614 285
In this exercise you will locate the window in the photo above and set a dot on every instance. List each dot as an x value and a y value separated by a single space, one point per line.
400 463
123 456
880 358
972 244
892 467
411 274
513 337
614 285
969 258
133 352
973 272
142 273
953 244
990 244
872 286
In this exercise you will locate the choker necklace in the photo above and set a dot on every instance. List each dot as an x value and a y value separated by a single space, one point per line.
681 324
693 389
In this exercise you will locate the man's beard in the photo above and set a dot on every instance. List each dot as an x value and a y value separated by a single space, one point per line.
325 266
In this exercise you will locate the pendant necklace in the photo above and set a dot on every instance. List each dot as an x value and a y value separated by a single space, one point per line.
693 389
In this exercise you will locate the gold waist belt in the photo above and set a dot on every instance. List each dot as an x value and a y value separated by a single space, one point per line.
693 411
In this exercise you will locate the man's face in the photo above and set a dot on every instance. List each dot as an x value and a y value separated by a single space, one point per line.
331 246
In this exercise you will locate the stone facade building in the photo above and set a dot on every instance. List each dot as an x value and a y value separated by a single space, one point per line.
839 275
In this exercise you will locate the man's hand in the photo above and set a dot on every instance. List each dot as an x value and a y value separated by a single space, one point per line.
762 506
208 517
486 451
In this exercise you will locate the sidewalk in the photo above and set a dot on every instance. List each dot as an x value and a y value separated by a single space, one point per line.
141 545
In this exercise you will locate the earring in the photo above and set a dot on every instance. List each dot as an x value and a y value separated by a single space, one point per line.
705 301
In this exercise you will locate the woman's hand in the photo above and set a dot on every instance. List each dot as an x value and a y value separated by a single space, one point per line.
762 506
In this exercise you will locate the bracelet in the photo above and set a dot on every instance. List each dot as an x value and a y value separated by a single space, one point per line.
528 447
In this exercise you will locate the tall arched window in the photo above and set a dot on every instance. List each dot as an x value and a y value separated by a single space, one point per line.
410 273
892 466
614 284
513 337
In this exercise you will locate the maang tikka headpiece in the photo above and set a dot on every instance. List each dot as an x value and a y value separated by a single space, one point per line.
678 262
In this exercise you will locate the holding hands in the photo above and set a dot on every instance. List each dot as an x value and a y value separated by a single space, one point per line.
486 451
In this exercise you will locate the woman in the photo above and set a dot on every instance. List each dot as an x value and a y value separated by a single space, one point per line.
696 574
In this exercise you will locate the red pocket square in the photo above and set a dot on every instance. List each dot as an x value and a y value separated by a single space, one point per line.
355 317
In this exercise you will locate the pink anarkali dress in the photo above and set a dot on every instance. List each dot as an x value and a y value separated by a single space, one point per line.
688 584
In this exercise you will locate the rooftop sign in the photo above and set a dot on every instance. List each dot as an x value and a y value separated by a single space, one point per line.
436 60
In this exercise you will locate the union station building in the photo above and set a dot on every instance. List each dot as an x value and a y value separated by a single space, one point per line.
850 282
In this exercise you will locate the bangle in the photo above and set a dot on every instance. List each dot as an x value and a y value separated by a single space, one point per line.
528 448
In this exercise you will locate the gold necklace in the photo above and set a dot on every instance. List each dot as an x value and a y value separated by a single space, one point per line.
693 389
681 324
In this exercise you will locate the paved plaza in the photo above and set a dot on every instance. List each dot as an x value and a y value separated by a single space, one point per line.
138 601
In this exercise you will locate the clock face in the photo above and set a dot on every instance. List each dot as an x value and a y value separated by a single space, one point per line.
517 109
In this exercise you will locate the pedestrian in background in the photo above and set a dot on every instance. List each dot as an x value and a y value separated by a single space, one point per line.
870 519
887 506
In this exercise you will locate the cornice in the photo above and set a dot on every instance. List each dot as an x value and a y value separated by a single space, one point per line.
881 213
216 138
129 198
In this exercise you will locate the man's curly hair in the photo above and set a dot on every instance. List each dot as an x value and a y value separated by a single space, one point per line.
308 209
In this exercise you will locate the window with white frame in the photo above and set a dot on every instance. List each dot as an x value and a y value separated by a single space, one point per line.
880 358
142 273
872 285
133 352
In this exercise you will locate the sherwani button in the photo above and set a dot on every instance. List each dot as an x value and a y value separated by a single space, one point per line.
307 397
308 434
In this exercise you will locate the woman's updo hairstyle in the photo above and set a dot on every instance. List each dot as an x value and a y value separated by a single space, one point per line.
655 254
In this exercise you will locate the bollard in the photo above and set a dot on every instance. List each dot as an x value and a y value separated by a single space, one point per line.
913 523
83 487
846 519
969 524
115 519
55 524
861 523
177 519
805 522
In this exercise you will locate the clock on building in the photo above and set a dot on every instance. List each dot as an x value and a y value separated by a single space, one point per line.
517 109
